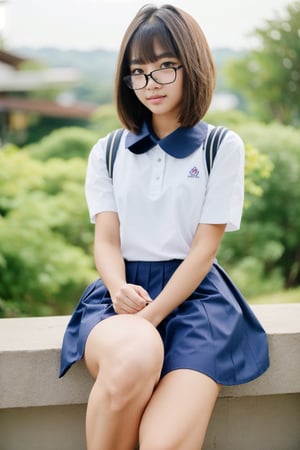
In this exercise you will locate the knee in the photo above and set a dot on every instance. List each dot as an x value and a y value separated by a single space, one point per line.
132 369
126 378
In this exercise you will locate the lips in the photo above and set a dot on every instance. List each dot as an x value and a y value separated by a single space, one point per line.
156 98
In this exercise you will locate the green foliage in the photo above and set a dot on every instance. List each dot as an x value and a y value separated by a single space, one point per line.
45 239
269 76
92 92
280 296
231 118
105 119
40 126
257 165
31 64
251 278
63 143
270 231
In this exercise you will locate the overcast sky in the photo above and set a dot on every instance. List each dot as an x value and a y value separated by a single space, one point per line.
88 24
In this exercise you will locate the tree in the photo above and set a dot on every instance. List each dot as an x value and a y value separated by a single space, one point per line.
267 247
45 239
269 76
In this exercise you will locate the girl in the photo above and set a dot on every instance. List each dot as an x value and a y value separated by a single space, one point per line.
164 327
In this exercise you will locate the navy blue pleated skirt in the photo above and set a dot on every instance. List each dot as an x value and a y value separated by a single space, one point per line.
214 331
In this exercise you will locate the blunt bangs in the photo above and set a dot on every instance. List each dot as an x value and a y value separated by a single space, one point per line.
143 40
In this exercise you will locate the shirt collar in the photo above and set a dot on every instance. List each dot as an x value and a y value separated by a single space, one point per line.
180 143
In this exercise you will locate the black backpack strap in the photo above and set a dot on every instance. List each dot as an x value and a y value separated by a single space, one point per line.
212 145
112 147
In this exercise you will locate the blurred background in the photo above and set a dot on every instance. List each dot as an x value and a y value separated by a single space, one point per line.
57 65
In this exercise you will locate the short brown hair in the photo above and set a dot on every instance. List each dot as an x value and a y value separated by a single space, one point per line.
179 33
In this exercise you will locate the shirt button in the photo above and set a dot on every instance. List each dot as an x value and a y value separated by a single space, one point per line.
158 159
157 178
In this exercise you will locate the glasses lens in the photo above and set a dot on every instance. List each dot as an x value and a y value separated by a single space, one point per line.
135 81
160 76
164 76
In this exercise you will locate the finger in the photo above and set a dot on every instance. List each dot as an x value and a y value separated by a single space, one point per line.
123 309
135 294
144 294
122 302
126 305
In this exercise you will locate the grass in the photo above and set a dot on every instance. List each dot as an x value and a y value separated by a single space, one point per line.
286 296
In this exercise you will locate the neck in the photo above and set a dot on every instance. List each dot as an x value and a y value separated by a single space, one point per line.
163 126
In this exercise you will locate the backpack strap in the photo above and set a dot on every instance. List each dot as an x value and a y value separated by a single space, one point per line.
212 145
112 146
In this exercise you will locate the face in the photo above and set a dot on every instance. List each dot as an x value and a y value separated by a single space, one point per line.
162 100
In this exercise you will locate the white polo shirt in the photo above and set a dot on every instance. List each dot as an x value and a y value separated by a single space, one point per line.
160 198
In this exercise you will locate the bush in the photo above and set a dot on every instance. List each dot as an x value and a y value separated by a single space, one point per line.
45 239
64 143
271 224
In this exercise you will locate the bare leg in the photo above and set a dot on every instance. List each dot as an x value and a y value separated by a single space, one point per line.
177 416
124 354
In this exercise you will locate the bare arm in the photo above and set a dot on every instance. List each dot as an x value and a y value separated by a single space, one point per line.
188 275
126 298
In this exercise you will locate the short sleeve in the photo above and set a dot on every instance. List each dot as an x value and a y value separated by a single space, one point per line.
98 184
225 188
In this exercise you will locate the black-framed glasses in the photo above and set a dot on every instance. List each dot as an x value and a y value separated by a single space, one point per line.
137 81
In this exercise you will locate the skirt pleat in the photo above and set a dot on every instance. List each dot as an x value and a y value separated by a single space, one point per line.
214 331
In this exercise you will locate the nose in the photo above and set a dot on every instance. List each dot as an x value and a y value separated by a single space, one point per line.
151 82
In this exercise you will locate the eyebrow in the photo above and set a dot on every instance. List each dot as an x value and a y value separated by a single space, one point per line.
158 57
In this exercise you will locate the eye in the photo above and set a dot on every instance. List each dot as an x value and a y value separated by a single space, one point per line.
136 71
167 64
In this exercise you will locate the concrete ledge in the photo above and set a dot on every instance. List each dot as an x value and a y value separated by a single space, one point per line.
30 352
49 413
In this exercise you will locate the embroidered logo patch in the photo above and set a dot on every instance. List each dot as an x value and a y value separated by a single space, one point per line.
193 173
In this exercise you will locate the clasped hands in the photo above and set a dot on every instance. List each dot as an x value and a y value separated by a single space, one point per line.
130 299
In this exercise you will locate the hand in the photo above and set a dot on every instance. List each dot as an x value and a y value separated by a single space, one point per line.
130 299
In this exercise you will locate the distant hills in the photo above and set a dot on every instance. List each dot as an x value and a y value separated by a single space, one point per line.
97 68
92 64
98 64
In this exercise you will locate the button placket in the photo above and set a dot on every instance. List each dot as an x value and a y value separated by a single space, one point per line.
157 172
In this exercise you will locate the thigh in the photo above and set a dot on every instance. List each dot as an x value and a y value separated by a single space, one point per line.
178 413
123 339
